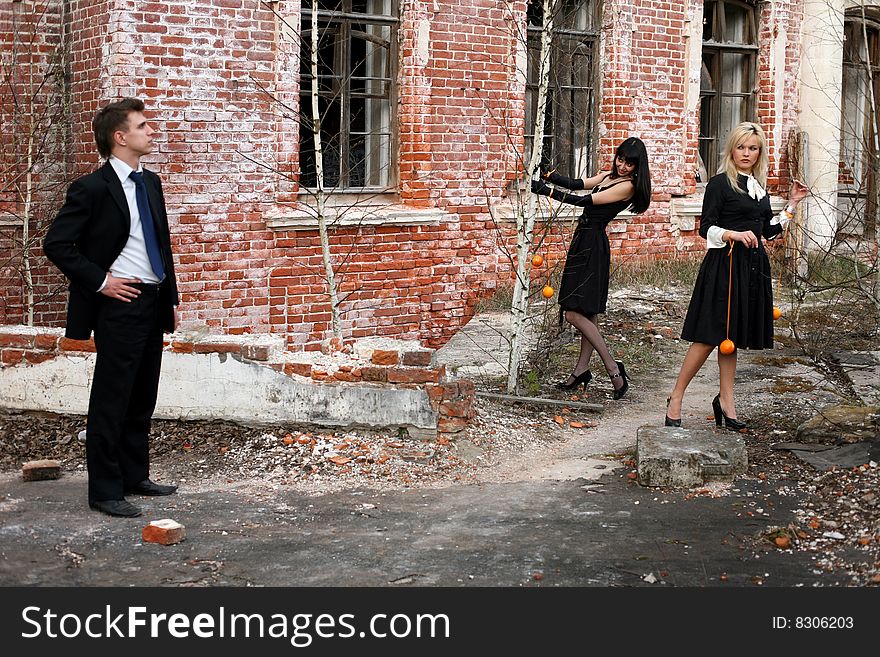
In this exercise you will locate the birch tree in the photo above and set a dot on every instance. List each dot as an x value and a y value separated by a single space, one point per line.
525 219
320 193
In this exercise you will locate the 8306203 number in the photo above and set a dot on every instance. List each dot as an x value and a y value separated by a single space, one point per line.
823 622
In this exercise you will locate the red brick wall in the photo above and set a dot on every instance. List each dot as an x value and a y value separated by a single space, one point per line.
227 152
781 18
644 68
459 156
90 72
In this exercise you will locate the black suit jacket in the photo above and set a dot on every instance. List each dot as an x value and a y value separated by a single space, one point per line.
87 236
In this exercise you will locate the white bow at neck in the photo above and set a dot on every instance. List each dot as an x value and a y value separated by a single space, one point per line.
753 186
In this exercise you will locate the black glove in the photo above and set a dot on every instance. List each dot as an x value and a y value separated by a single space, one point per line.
541 188
578 200
563 181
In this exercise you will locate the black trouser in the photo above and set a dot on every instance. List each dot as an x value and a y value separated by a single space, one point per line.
128 341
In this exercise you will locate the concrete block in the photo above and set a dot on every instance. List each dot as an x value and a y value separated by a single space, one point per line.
674 456
41 470
164 532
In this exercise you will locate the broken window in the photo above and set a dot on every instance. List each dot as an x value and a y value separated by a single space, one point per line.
857 182
727 76
568 126
357 55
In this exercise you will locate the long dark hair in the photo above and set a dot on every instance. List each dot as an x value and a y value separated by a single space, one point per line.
633 151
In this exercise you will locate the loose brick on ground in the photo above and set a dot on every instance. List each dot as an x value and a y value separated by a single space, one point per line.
41 470
164 532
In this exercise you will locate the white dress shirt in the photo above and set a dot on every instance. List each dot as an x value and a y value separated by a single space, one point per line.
133 261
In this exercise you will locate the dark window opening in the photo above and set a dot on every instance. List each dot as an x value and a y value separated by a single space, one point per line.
357 69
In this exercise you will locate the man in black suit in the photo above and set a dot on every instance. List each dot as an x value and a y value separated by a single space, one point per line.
111 239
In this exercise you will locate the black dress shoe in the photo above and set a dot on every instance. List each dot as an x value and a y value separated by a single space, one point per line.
670 421
147 487
730 423
575 380
621 374
118 508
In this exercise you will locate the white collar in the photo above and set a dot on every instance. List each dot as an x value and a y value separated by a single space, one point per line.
753 186
122 169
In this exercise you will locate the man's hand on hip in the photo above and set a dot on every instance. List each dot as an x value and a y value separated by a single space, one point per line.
121 288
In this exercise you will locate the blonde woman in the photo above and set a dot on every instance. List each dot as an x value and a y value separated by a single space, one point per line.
736 215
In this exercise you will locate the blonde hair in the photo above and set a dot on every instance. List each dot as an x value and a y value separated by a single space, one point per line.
737 136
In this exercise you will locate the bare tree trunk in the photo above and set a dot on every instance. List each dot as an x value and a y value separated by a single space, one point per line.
795 253
525 220
27 109
321 194
25 231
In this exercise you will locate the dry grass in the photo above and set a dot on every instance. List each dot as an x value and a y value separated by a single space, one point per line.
657 273
680 272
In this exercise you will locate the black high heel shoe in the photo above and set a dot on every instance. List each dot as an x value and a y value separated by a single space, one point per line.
729 422
669 422
621 372
584 377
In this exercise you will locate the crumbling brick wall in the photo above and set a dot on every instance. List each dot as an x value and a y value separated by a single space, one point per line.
220 82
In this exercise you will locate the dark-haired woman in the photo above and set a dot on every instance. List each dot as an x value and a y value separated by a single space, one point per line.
583 292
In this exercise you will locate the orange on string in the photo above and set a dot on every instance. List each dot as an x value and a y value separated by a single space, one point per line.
537 259
727 347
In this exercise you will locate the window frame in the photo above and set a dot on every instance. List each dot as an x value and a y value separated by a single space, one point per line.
861 190
346 18
709 146
552 133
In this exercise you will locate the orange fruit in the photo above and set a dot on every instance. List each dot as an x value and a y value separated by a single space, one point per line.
537 260
547 291
727 347
777 313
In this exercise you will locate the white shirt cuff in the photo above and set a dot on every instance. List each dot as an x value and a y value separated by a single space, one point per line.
713 238
781 219
104 284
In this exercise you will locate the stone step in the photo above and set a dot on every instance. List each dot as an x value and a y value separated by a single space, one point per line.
675 456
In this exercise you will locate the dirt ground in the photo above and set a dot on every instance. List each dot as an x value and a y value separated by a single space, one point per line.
837 521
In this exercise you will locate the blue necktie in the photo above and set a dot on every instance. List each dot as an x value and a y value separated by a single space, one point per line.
149 228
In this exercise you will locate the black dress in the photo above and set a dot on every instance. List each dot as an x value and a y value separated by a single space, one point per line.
751 303
584 285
